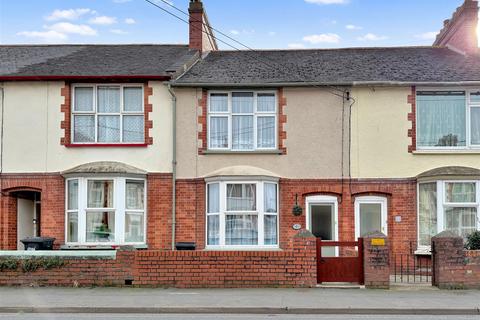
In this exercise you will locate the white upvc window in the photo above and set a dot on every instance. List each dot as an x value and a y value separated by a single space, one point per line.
448 119
242 120
108 114
242 214
105 211
447 205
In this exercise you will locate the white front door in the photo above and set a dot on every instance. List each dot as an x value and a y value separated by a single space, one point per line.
25 216
322 220
370 215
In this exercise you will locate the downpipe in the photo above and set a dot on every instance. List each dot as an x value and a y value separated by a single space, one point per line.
174 162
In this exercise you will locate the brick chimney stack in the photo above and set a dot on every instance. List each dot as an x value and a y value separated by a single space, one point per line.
460 32
201 34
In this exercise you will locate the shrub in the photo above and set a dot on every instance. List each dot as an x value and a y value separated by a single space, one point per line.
8 264
32 264
473 241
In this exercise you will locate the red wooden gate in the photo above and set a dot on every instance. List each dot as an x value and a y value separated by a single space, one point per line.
343 268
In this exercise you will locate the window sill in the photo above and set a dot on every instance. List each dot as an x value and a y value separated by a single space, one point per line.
423 252
447 151
100 247
107 145
274 152
259 249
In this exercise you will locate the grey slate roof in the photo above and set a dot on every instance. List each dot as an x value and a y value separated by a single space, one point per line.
333 66
93 60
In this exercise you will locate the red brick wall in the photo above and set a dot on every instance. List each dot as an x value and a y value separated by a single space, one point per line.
183 269
159 213
202 122
376 262
454 267
412 117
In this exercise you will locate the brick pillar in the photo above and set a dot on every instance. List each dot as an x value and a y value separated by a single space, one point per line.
448 258
376 260
305 253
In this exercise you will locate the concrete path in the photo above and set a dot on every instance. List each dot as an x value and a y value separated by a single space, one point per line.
252 301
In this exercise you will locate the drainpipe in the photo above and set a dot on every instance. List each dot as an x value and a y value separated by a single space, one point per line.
174 161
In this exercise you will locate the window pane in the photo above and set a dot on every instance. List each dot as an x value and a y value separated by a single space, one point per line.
133 129
242 132
213 198
218 132
135 195
461 221
100 194
266 102
219 102
460 192
475 125
72 227
213 230
241 230
441 120
132 99
108 99
100 227
270 197
134 227
72 201
475 97
270 226
370 218
242 102
83 99
241 197
108 128
427 215
266 132
84 129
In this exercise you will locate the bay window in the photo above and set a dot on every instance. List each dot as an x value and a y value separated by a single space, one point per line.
242 214
242 121
448 119
107 113
105 211
447 205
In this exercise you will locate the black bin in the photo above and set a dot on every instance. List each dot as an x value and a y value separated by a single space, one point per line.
185 246
38 243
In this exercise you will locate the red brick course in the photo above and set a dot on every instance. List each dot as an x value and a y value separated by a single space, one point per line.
412 117
202 122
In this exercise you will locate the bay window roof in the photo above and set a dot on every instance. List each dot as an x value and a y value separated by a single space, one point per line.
451 171
104 167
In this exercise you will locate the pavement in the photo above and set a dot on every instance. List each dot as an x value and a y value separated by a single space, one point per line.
404 301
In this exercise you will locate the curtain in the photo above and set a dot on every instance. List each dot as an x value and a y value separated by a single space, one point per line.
135 195
213 230
132 99
270 226
134 227
241 197
83 99
458 192
84 129
108 99
108 128
266 102
242 102
270 197
133 129
213 198
72 201
241 230
218 132
218 102
266 132
461 221
72 229
427 214
242 132
100 194
475 125
441 120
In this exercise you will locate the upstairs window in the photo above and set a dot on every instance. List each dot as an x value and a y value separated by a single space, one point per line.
108 114
242 121
448 119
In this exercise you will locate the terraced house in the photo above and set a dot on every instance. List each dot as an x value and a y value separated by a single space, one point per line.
162 145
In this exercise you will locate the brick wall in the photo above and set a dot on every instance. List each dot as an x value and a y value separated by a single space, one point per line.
454 267
376 261
182 269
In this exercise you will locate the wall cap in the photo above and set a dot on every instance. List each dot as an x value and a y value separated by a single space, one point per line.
446 234
304 234
374 234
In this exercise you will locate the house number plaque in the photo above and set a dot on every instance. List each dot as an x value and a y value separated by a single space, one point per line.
297 226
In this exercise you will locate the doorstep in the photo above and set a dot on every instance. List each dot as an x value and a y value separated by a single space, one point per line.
340 285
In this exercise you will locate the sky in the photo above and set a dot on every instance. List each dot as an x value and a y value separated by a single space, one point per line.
260 24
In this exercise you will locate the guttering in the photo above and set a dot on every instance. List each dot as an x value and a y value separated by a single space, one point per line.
327 84
174 162
70 77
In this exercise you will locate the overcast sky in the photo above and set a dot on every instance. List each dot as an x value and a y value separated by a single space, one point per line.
256 23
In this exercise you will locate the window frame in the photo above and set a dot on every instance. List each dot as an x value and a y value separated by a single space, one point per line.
383 201
260 213
96 114
442 204
119 207
229 115
468 126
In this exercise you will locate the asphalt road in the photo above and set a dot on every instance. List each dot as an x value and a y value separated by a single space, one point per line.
27 316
